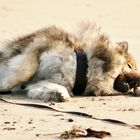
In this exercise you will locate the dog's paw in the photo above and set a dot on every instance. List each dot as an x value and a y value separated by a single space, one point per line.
62 95
51 92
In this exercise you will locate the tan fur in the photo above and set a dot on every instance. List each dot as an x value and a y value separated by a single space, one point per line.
50 60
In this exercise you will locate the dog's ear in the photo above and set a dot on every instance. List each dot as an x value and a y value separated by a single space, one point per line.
122 47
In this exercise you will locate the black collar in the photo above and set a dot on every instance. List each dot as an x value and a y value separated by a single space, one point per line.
81 73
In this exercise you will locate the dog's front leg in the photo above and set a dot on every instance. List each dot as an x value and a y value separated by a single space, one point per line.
48 91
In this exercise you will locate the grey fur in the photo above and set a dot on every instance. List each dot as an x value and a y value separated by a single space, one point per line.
45 61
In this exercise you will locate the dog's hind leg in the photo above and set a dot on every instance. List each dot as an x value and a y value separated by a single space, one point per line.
48 91
17 70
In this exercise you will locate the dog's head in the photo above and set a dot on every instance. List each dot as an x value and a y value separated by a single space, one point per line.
108 61
129 78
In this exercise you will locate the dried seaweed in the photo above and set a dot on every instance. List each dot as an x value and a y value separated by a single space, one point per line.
78 132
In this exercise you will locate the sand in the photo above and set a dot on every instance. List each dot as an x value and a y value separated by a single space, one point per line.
119 19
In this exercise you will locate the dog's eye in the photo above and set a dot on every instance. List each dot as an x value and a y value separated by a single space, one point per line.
130 66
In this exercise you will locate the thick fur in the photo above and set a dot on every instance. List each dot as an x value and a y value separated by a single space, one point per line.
45 62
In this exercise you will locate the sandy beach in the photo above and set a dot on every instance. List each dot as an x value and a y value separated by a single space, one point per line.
119 19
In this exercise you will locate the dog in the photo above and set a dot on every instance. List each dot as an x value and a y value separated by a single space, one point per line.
53 64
